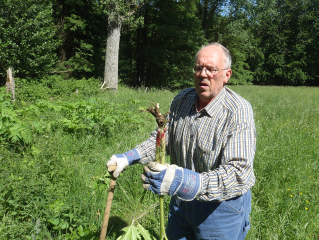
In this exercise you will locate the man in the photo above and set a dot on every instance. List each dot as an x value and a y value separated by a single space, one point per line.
211 141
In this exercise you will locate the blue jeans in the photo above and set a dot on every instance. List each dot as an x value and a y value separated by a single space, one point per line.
195 220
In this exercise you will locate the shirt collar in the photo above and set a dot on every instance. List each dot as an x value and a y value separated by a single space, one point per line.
211 107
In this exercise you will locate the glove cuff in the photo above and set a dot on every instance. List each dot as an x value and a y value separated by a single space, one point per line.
178 178
132 156
190 185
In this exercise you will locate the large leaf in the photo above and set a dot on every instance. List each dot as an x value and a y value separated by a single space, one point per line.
146 235
134 233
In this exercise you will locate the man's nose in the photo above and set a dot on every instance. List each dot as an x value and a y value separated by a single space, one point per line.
203 73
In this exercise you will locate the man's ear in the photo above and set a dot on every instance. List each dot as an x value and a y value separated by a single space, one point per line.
227 75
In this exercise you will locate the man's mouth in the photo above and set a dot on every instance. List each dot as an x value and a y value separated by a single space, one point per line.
203 84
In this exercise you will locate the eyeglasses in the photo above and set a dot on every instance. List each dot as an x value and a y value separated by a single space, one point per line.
208 70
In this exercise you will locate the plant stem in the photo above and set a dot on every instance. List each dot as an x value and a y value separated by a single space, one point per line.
163 234
160 157
160 154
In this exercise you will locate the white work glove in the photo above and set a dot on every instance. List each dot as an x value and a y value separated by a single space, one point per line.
121 161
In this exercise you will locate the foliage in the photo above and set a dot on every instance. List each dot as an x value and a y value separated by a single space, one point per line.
124 9
82 32
237 38
55 87
27 33
286 31
55 186
162 52
272 42
135 232
12 128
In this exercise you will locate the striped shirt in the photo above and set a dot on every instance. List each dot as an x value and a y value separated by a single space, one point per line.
218 142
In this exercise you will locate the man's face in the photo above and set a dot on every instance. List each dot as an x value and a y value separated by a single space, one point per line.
208 85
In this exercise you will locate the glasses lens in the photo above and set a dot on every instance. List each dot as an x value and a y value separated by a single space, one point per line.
198 69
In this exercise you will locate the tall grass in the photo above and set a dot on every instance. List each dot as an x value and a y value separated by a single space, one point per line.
285 197
57 188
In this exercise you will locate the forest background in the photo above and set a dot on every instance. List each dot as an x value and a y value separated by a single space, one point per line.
272 42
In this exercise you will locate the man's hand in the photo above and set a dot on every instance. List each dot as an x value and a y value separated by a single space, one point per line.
121 161
171 180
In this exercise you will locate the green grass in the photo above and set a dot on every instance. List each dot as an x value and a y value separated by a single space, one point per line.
285 197
56 187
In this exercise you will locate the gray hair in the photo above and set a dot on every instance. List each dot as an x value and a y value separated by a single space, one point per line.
225 50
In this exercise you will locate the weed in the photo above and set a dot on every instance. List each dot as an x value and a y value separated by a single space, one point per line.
53 153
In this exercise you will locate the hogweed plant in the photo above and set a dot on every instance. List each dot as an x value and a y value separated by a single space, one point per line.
135 232
160 154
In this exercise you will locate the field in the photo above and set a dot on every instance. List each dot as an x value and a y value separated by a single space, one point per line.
55 143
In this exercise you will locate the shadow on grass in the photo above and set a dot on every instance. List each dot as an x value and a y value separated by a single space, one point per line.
113 230
115 226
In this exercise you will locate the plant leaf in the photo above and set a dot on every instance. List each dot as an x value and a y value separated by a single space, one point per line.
145 233
135 233
131 233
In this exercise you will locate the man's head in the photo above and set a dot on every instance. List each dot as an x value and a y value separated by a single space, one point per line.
212 71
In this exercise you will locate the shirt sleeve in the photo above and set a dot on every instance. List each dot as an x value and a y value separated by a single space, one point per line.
147 149
235 174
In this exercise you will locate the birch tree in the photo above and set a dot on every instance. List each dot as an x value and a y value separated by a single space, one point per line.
119 12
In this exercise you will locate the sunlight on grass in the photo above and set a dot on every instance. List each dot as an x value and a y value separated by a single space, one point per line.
57 187
286 159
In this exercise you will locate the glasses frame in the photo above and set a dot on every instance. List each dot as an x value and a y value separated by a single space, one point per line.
207 72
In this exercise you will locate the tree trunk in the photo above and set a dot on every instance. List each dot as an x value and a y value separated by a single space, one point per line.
112 53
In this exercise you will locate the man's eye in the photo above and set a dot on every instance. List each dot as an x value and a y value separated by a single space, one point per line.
210 69
198 69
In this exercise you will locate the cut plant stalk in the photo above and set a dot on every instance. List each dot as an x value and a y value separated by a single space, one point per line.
160 154
133 231
160 158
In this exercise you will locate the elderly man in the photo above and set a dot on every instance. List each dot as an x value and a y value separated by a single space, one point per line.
211 141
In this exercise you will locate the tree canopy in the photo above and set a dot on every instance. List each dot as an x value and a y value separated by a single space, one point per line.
272 42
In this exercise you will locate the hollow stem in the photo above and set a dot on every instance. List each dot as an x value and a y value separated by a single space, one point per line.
160 154
160 157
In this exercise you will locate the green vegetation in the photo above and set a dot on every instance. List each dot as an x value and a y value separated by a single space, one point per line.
285 197
54 148
272 42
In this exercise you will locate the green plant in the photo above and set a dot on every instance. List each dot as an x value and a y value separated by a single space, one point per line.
28 41
12 128
132 231
62 172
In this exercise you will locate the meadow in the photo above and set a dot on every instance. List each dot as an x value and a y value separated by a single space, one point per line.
55 142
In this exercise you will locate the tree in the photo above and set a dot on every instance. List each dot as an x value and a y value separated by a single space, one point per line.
82 31
287 35
27 33
227 22
119 12
162 50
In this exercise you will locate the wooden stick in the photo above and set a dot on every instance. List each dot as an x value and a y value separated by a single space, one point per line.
10 85
108 204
